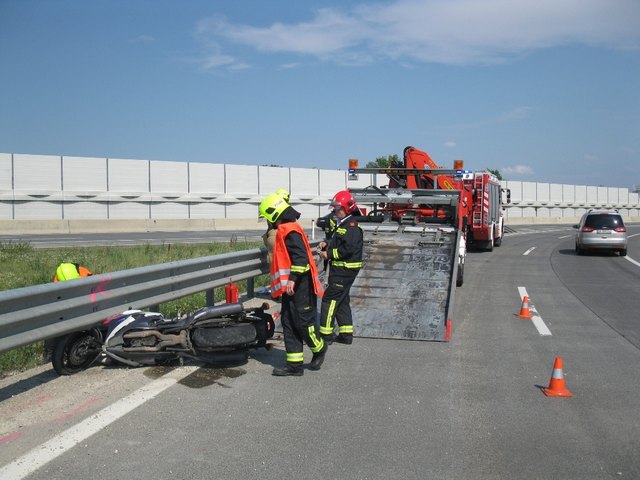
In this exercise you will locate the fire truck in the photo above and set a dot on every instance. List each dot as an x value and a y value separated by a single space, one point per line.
417 229
481 215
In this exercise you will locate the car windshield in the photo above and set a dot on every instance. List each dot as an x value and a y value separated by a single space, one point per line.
603 221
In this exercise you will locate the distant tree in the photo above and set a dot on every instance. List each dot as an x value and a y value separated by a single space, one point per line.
383 162
496 172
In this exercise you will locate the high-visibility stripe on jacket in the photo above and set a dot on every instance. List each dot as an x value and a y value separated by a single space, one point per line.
345 248
281 267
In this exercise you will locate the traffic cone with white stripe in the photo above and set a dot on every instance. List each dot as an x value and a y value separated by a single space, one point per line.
557 387
524 310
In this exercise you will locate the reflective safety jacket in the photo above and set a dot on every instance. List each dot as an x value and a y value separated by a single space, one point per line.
345 248
292 258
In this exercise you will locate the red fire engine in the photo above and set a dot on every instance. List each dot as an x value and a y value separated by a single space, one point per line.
481 212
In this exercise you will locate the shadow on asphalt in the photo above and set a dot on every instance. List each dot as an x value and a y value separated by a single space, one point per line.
27 384
595 253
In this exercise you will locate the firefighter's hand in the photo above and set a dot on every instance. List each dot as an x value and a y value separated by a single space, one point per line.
290 289
323 255
322 246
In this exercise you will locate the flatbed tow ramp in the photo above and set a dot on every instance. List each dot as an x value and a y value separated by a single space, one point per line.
406 287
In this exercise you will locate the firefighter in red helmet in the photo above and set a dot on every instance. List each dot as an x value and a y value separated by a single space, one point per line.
344 252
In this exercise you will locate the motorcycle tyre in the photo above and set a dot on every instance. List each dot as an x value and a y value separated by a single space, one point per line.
63 364
224 337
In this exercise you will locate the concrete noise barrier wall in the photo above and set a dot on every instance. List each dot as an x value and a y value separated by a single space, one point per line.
45 193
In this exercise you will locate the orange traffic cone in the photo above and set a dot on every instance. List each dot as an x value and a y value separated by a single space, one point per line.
557 387
524 310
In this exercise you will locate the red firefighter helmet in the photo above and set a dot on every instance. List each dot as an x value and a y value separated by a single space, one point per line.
345 200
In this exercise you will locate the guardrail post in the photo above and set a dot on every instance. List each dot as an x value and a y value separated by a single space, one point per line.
210 297
251 287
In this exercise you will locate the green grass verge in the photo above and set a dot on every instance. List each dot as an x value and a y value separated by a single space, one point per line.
24 266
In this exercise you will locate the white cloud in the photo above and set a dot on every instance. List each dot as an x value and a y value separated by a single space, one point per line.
442 31
517 170
289 66
590 157
215 58
450 144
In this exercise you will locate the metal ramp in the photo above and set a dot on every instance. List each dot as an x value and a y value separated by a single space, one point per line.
405 289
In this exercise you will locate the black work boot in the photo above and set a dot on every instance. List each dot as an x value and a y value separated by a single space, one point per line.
328 339
346 339
317 360
291 370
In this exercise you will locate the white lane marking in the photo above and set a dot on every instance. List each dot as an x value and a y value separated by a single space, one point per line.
629 258
536 319
529 251
633 261
43 454
564 236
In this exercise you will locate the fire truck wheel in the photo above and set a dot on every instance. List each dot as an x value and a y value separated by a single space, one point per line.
460 278
489 245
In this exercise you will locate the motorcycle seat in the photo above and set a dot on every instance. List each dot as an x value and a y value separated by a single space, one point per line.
216 311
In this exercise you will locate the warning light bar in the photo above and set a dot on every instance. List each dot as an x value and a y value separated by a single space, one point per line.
353 164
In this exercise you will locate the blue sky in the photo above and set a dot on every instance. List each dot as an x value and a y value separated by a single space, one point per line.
544 90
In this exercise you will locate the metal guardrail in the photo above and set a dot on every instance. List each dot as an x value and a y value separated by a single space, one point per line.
35 313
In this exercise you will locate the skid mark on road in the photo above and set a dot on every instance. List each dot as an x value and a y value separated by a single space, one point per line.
10 437
75 411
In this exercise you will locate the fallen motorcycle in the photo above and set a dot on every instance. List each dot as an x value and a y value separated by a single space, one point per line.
212 335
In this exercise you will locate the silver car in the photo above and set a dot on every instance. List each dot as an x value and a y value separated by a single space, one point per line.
601 230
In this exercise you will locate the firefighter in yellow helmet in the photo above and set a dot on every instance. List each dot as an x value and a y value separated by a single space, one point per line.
294 277
284 194
269 237
65 271
69 271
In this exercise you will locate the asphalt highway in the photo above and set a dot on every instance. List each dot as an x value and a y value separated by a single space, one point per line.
378 409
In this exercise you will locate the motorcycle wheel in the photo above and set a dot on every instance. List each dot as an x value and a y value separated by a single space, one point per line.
74 353
220 337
